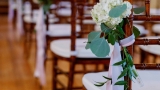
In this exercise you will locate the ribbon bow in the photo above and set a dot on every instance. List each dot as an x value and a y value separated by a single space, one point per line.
115 71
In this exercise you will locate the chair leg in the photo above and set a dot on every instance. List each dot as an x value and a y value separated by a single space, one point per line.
71 76
143 55
54 73
83 88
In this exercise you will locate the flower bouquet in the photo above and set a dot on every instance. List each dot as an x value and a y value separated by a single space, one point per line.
112 15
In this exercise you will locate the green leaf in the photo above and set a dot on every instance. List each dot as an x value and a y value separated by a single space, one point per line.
100 47
121 24
120 30
119 63
121 83
104 28
135 73
99 84
136 31
124 72
93 35
111 39
87 45
138 10
130 60
117 11
107 78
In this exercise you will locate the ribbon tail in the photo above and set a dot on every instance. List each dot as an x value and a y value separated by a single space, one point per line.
115 71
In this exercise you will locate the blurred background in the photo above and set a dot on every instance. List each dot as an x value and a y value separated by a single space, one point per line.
20 43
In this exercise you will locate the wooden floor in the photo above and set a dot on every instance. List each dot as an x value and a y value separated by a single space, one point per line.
16 72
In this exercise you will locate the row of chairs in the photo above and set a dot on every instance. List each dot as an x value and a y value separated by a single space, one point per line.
61 37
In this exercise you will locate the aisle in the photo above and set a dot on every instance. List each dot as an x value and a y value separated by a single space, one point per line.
15 71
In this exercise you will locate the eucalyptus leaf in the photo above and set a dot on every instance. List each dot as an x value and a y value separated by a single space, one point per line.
138 10
111 39
104 28
117 11
100 47
87 46
93 35
121 83
136 31
124 72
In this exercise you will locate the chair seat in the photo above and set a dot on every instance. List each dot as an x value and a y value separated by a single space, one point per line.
62 48
27 18
138 22
156 28
154 11
154 49
61 29
66 12
65 4
150 79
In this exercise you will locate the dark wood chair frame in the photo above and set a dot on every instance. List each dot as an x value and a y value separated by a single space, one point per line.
73 60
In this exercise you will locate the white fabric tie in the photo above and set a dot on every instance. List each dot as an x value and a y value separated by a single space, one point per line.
10 10
19 22
115 71
41 44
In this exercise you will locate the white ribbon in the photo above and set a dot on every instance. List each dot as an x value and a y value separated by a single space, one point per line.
41 44
115 71
10 10
19 22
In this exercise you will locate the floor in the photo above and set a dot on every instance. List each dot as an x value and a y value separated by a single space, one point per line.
16 72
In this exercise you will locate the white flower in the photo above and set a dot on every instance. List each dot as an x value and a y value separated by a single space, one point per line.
128 11
100 12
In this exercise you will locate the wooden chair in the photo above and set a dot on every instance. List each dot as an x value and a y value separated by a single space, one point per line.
73 50
152 70
29 21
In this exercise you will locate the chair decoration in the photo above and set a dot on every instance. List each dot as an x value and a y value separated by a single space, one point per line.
112 15
41 42
40 71
10 10
19 22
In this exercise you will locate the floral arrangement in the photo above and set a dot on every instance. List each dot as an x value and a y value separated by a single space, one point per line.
112 15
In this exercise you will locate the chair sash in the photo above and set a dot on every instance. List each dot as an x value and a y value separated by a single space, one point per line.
41 44
115 71
19 22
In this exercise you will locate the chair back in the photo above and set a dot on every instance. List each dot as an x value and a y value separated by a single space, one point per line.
128 31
